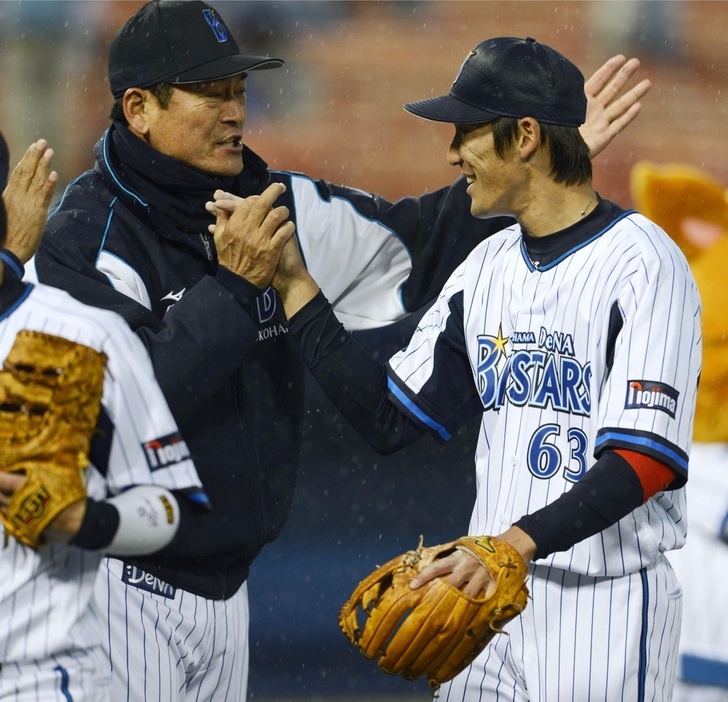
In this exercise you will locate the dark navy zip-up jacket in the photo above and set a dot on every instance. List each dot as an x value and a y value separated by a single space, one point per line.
220 347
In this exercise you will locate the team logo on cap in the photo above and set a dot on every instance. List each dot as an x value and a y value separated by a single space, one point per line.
649 394
217 26
470 55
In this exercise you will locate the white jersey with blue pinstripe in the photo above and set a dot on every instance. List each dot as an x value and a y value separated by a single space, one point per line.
45 594
598 349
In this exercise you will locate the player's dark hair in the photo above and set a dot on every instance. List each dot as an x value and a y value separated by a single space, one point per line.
505 131
570 160
161 91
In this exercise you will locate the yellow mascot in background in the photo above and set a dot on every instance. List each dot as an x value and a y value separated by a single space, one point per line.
692 207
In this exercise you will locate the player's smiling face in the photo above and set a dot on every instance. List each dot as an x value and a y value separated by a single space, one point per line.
493 181
202 126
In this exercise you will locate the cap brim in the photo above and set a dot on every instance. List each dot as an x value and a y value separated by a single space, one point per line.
4 163
226 66
446 108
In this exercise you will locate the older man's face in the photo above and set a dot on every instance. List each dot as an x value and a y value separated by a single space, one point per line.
202 126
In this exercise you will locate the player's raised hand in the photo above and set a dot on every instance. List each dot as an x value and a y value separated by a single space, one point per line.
249 241
608 110
27 198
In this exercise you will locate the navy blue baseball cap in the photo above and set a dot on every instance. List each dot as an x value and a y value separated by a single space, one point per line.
510 77
177 41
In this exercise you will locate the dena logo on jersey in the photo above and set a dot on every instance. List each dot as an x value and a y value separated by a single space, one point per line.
166 451
648 394
137 577
550 374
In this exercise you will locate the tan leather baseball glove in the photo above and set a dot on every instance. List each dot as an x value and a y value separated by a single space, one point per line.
50 398
435 630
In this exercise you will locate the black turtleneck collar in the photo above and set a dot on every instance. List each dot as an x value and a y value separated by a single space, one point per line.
173 194
544 250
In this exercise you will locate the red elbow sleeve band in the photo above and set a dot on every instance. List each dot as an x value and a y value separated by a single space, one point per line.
653 475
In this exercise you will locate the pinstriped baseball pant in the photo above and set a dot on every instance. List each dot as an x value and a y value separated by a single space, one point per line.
81 676
170 645
583 639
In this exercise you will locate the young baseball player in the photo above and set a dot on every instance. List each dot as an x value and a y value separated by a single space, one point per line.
51 635
132 236
576 334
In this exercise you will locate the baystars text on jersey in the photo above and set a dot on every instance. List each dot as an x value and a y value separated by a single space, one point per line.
549 373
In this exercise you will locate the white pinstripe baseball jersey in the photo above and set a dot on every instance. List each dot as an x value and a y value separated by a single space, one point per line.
45 595
599 348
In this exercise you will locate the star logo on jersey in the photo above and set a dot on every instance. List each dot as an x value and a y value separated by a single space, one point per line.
500 341
492 359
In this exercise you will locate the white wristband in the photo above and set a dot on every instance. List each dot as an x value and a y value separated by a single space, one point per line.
148 520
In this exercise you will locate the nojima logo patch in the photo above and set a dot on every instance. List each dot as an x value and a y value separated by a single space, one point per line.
648 394
165 451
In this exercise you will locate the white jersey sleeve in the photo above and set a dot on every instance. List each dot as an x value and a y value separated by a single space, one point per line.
147 447
647 398
139 439
371 264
